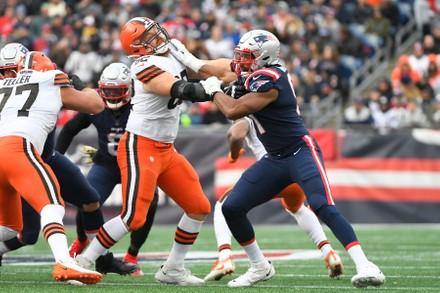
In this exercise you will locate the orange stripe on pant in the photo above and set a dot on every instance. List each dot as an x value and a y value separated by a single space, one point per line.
145 163
24 173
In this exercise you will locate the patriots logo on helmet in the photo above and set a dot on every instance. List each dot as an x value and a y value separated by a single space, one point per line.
263 38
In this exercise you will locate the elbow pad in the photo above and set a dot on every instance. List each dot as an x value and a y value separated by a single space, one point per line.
189 91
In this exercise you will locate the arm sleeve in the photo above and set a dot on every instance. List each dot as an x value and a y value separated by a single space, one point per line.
70 130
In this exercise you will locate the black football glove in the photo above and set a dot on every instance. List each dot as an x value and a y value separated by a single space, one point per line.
77 83
236 89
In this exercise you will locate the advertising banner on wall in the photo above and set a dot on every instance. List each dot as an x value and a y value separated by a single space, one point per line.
374 178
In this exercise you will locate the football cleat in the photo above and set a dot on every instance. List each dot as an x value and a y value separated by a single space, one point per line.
78 246
177 276
334 265
262 271
84 262
74 274
109 264
133 259
369 275
220 269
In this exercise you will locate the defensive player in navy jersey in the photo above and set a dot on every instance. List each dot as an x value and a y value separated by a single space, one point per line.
115 88
293 155
75 189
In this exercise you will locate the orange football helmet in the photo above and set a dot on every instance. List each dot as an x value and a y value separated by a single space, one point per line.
35 60
143 36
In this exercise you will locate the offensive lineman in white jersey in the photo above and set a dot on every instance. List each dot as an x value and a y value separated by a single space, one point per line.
146 154
29 107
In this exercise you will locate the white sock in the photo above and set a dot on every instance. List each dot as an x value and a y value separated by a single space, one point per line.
310 224
222 233
115 229
91 236
358 256
53 215
179 251
254 252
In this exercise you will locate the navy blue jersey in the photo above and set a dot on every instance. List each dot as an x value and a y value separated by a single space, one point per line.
279 125
48 146
110 125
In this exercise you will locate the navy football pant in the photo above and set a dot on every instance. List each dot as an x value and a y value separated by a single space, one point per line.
268 176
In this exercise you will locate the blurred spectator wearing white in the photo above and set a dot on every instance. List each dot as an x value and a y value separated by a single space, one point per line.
373 100
358 113
56 7
414 117
418 60
84 62
386 119
217 46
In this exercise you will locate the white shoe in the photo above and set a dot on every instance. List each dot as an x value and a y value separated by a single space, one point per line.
334 265
262 271
220 269
369 275
177 276
84 262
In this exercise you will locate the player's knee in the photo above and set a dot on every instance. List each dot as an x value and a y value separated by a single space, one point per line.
90 207
326 213
29 237
136 224
231 212
293 205
203 207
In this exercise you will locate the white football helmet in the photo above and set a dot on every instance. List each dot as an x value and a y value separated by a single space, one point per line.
115 85
256 49
10 56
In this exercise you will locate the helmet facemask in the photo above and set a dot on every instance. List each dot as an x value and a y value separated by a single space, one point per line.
256 49
115 85
244 61
115 96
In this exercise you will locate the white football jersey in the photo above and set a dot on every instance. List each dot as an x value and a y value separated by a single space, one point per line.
253 142
151 115
30 104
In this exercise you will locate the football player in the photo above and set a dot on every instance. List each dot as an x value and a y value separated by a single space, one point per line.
30 105
292 199
115 88
74 187
146 154
293 155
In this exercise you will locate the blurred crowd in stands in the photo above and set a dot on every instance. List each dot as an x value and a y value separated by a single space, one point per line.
409 97
323 43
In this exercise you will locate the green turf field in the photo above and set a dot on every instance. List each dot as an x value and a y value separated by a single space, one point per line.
409 256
